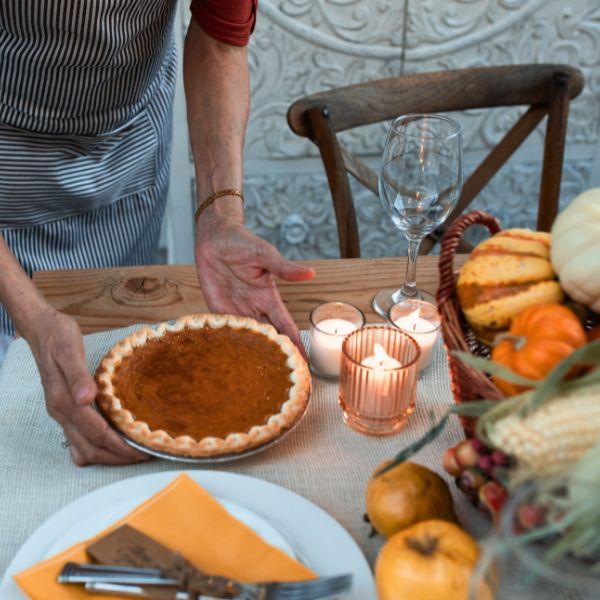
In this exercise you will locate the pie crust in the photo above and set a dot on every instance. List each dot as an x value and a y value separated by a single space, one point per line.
126 371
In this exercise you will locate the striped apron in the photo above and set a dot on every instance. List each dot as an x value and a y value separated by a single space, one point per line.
86 95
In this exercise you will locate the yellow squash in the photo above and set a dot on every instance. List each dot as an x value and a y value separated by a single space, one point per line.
504 275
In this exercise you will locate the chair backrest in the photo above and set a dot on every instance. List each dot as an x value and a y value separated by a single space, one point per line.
547 89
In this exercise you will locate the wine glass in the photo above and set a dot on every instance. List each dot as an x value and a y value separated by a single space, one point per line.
419 184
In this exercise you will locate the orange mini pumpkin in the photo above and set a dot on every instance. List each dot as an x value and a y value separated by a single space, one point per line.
539 338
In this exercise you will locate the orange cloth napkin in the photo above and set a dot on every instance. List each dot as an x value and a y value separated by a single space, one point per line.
184 517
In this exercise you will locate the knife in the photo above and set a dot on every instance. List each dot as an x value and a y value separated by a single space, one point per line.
210 585
136 591
83 573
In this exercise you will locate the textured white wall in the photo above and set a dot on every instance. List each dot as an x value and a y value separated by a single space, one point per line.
304 46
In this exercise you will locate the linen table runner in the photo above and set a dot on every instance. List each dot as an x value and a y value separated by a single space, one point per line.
322 459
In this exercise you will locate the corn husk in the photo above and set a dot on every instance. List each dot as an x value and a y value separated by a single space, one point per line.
516 425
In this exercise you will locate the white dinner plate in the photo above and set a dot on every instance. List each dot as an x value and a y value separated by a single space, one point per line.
282 517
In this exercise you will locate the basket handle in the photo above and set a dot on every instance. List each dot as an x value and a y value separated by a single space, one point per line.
450 243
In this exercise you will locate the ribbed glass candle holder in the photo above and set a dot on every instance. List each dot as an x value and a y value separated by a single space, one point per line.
378 379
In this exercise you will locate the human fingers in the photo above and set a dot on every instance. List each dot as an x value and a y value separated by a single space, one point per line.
283 322
95 430
61 360
272 260
70 359
91 438
61 408
59 403
84 453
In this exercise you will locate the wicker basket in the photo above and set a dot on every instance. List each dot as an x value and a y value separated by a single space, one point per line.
467 383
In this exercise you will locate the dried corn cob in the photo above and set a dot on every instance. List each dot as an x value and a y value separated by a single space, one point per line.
553 437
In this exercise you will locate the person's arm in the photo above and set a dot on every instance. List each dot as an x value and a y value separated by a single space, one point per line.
235 267
56 343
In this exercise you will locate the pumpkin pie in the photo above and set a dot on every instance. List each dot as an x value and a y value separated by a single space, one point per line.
204 386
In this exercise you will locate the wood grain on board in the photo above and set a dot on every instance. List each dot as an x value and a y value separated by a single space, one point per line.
101 299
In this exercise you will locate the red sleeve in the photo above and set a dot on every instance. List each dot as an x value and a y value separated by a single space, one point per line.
231 22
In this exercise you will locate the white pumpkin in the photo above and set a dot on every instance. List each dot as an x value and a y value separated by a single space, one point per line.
575 252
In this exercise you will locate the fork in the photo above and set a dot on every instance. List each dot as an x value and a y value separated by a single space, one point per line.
296 590
293 590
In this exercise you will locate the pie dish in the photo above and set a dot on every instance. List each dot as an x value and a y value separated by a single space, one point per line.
205 385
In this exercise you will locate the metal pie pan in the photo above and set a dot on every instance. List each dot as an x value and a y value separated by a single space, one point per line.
208 460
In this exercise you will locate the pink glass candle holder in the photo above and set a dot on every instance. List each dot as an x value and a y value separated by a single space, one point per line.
378 379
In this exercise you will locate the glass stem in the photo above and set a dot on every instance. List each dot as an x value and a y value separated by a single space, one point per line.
409 289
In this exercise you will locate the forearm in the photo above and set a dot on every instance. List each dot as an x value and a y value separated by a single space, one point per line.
18 294
218 102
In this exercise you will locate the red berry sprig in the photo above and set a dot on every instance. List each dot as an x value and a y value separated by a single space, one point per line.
477 469
479 472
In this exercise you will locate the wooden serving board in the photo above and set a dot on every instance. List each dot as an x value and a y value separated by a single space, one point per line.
101 299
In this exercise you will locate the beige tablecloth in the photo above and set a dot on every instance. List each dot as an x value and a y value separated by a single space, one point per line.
321 459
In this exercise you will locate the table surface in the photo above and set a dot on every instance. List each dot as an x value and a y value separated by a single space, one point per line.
102 299
322 460
105 299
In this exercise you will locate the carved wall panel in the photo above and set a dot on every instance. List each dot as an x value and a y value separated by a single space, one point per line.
301 223
304 46
463 33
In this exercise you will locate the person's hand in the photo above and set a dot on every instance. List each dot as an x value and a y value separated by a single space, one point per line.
236 269
69 388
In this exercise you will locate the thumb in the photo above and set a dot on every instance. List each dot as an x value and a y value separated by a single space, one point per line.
83 389
275 263
81 384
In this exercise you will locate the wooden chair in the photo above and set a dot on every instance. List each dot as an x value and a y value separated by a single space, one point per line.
547 89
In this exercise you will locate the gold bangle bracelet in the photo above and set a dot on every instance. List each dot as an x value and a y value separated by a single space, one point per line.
206 203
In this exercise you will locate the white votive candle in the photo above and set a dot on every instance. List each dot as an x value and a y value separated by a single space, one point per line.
330 323
326 338
424 331
381 363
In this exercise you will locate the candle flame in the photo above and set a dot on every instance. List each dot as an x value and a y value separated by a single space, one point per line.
411 319
380 360
380 354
